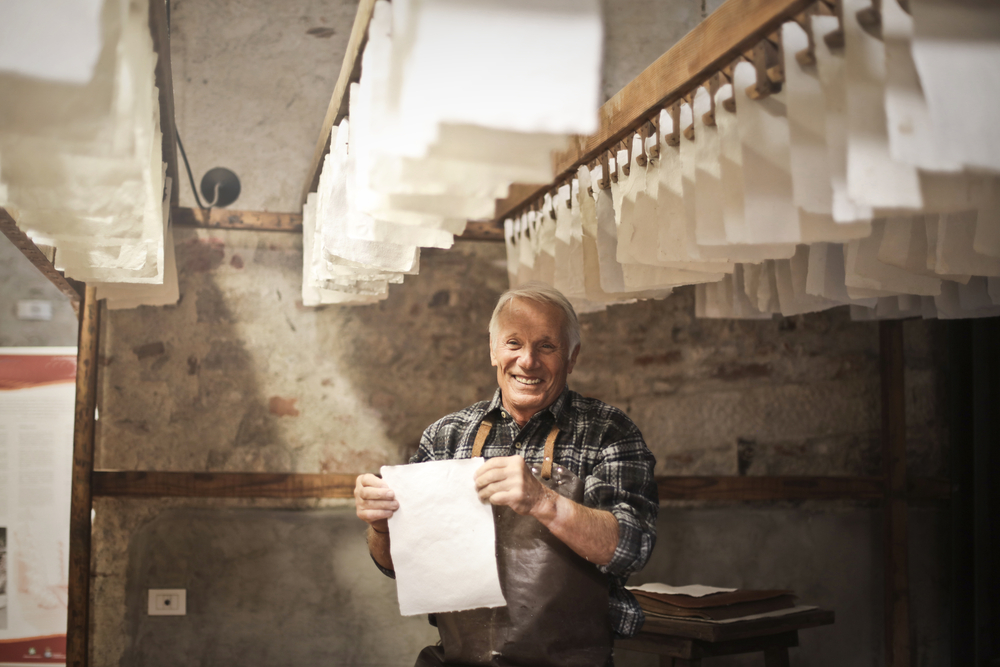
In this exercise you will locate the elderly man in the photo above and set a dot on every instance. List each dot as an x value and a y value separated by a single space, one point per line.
571 484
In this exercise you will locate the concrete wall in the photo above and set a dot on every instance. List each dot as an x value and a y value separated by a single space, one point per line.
21 281
238 376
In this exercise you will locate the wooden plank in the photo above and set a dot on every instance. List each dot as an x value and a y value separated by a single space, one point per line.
160 32
78 604
736 631
350 72
720 632
769 488
895 553
222 218
70 288
137 483
265 221
730 30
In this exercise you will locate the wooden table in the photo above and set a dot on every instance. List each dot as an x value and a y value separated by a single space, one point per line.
684 643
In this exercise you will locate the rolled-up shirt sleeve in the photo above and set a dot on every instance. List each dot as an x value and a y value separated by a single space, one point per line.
622 483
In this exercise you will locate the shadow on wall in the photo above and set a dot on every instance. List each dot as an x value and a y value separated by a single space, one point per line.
240 377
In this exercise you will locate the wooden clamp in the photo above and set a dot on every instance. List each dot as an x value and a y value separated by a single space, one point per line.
807 57
674 138
640 159
689 130
765 57
713 85
654 127
835 39
605 181
870 19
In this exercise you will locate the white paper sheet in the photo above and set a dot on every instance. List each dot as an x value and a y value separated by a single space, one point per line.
693 590
443 541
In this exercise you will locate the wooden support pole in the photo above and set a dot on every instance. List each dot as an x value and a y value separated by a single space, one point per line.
895 555
160 32
78 614
350 72
266 221
9 227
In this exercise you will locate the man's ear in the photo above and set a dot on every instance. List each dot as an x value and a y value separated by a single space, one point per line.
572 359
493 356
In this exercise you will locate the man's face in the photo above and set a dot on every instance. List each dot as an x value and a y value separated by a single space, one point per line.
531 356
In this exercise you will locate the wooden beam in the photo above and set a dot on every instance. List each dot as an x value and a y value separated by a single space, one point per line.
770 488
222 218
78 605
350 72
138 483
160 32
70 288
895 553
730 30
265 221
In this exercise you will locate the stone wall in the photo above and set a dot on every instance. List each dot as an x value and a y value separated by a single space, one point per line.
240 377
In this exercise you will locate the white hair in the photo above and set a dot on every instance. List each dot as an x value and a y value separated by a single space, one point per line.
539 293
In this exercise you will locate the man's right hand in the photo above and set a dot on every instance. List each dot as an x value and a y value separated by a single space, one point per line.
374 501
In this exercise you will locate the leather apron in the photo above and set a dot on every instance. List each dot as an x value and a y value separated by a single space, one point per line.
557 603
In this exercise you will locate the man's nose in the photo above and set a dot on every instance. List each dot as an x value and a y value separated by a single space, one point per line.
529 358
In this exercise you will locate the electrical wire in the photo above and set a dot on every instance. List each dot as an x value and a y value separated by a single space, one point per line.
187 166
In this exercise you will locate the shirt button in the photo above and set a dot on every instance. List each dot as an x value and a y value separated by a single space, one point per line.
503 414
518 445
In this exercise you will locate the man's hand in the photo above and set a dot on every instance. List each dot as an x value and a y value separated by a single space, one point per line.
507 480
374 502
591 533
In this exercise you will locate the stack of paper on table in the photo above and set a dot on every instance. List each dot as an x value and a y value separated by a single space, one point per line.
709 603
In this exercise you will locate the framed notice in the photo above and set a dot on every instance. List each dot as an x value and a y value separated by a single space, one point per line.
37 394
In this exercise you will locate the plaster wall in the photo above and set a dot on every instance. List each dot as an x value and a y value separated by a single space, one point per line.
239 377
21 281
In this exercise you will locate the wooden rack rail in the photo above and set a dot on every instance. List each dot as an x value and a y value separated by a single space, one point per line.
730 31
733 29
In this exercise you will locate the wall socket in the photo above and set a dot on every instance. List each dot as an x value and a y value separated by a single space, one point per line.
167 602
35 309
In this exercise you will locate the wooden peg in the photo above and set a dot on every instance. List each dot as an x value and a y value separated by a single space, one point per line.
765 56
674 138
640 159
835 39
776 71
713 85
689 130
870 19
624 169
654 131
605 181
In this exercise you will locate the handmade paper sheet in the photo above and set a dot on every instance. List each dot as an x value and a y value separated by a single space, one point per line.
443 543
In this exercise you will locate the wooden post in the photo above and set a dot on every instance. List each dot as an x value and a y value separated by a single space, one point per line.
78 616
897 582
160 32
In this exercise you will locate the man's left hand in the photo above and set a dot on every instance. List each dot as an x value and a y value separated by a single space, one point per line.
507 480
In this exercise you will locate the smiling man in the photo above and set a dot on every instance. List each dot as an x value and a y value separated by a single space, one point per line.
571 482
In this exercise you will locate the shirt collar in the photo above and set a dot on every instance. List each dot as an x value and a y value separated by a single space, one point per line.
556 409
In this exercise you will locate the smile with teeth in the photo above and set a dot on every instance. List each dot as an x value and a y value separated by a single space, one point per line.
524 380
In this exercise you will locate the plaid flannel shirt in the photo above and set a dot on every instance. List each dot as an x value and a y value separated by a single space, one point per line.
599 444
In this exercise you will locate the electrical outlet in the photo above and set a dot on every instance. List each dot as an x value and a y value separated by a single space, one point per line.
167 602
34 310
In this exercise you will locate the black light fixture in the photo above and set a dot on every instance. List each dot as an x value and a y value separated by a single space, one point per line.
220 187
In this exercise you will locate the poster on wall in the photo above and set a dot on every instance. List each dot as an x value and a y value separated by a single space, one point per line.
37 395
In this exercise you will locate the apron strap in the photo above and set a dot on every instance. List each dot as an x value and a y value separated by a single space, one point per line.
550 448
482 434
550 444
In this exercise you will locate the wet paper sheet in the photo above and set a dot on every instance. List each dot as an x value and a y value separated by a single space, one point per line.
443 544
